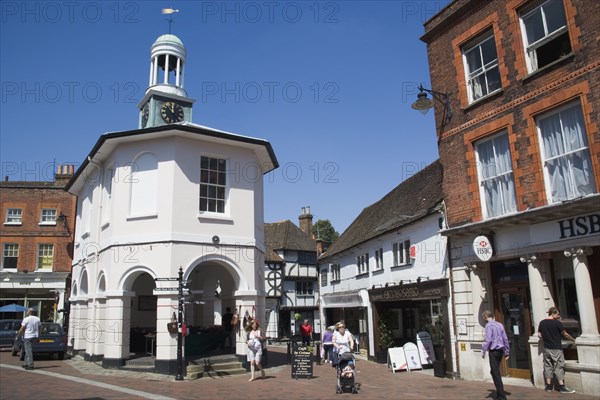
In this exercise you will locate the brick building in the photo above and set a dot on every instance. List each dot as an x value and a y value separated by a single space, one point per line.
37 238
519 143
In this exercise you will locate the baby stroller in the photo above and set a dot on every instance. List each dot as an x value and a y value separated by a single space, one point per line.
345 374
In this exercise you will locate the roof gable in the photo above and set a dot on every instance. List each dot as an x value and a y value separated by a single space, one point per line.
411 200
287 236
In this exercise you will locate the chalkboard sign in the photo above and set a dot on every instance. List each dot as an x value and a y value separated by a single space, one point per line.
302 366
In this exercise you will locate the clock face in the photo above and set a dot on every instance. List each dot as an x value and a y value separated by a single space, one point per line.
145 115
171 112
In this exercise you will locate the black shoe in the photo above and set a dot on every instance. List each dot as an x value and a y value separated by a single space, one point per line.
24 366
29 368
549 388
564 389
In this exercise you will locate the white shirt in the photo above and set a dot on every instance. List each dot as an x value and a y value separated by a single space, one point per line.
32 327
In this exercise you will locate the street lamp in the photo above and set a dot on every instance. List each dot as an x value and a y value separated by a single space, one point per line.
424 103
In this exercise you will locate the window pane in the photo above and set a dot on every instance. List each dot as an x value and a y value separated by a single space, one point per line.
493 79
534 25
488 51
474 60
555 15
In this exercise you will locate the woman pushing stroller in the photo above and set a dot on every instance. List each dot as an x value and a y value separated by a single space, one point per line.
343 343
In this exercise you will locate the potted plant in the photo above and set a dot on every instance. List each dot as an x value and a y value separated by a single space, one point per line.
386 339
438 338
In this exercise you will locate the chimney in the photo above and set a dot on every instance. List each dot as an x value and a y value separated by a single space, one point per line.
64 173
305 220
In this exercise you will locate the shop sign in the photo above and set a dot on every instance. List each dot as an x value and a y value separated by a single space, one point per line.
482 248
568 228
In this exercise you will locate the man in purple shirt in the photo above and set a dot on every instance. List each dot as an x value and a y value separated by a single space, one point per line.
495 343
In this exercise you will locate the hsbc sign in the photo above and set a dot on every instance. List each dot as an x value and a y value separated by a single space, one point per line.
482 248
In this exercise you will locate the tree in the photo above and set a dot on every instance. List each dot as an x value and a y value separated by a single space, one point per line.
322 229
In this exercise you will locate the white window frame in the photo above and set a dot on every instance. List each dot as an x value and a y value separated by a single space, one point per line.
401 253
218 186
508 202
45 250
14 216
48 216
335 272
582 152
531 48
362 264
10 250
484 70
379 259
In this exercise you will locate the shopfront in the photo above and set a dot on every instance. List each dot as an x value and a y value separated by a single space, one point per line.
536 262
351 308
407 308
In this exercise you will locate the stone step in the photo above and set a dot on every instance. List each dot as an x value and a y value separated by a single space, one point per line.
215 366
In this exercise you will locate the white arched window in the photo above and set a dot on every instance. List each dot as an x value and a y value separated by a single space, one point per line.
143 183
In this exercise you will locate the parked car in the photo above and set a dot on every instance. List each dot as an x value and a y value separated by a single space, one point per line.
8 331
52 340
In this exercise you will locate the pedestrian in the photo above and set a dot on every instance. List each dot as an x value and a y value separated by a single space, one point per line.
306 332
328 345
342 340
551 331
29 332
228 327
496 344
255 349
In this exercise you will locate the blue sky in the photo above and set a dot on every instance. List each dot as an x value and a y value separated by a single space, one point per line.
328 83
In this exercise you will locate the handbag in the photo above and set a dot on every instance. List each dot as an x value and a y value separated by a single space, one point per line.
172 326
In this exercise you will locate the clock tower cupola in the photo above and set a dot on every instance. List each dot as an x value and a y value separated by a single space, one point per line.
166 101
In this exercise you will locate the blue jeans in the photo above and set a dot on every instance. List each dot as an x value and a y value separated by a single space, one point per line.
27 343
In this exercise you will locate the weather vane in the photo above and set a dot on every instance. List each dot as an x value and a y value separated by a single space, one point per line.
169 12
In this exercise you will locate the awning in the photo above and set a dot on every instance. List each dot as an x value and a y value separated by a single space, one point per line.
342 300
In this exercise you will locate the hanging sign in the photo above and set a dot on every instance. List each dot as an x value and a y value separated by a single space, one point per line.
482 248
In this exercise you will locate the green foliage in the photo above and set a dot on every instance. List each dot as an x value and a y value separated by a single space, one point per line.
386 340
322 229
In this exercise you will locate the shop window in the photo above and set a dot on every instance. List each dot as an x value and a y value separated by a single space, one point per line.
566 294
495 173
481 67
545 34
568 170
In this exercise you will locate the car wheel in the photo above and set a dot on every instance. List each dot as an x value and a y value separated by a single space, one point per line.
60 355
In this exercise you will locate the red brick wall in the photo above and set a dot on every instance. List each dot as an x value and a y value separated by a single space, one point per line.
521 99
29 234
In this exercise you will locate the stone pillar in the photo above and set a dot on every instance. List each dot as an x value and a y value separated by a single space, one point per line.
588 344
118 323
535 270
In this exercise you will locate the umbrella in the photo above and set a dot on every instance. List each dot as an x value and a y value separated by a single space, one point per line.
13 308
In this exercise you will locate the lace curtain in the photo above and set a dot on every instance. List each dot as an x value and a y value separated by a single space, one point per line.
566 155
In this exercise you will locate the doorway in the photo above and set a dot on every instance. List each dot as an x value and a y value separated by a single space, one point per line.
513 311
